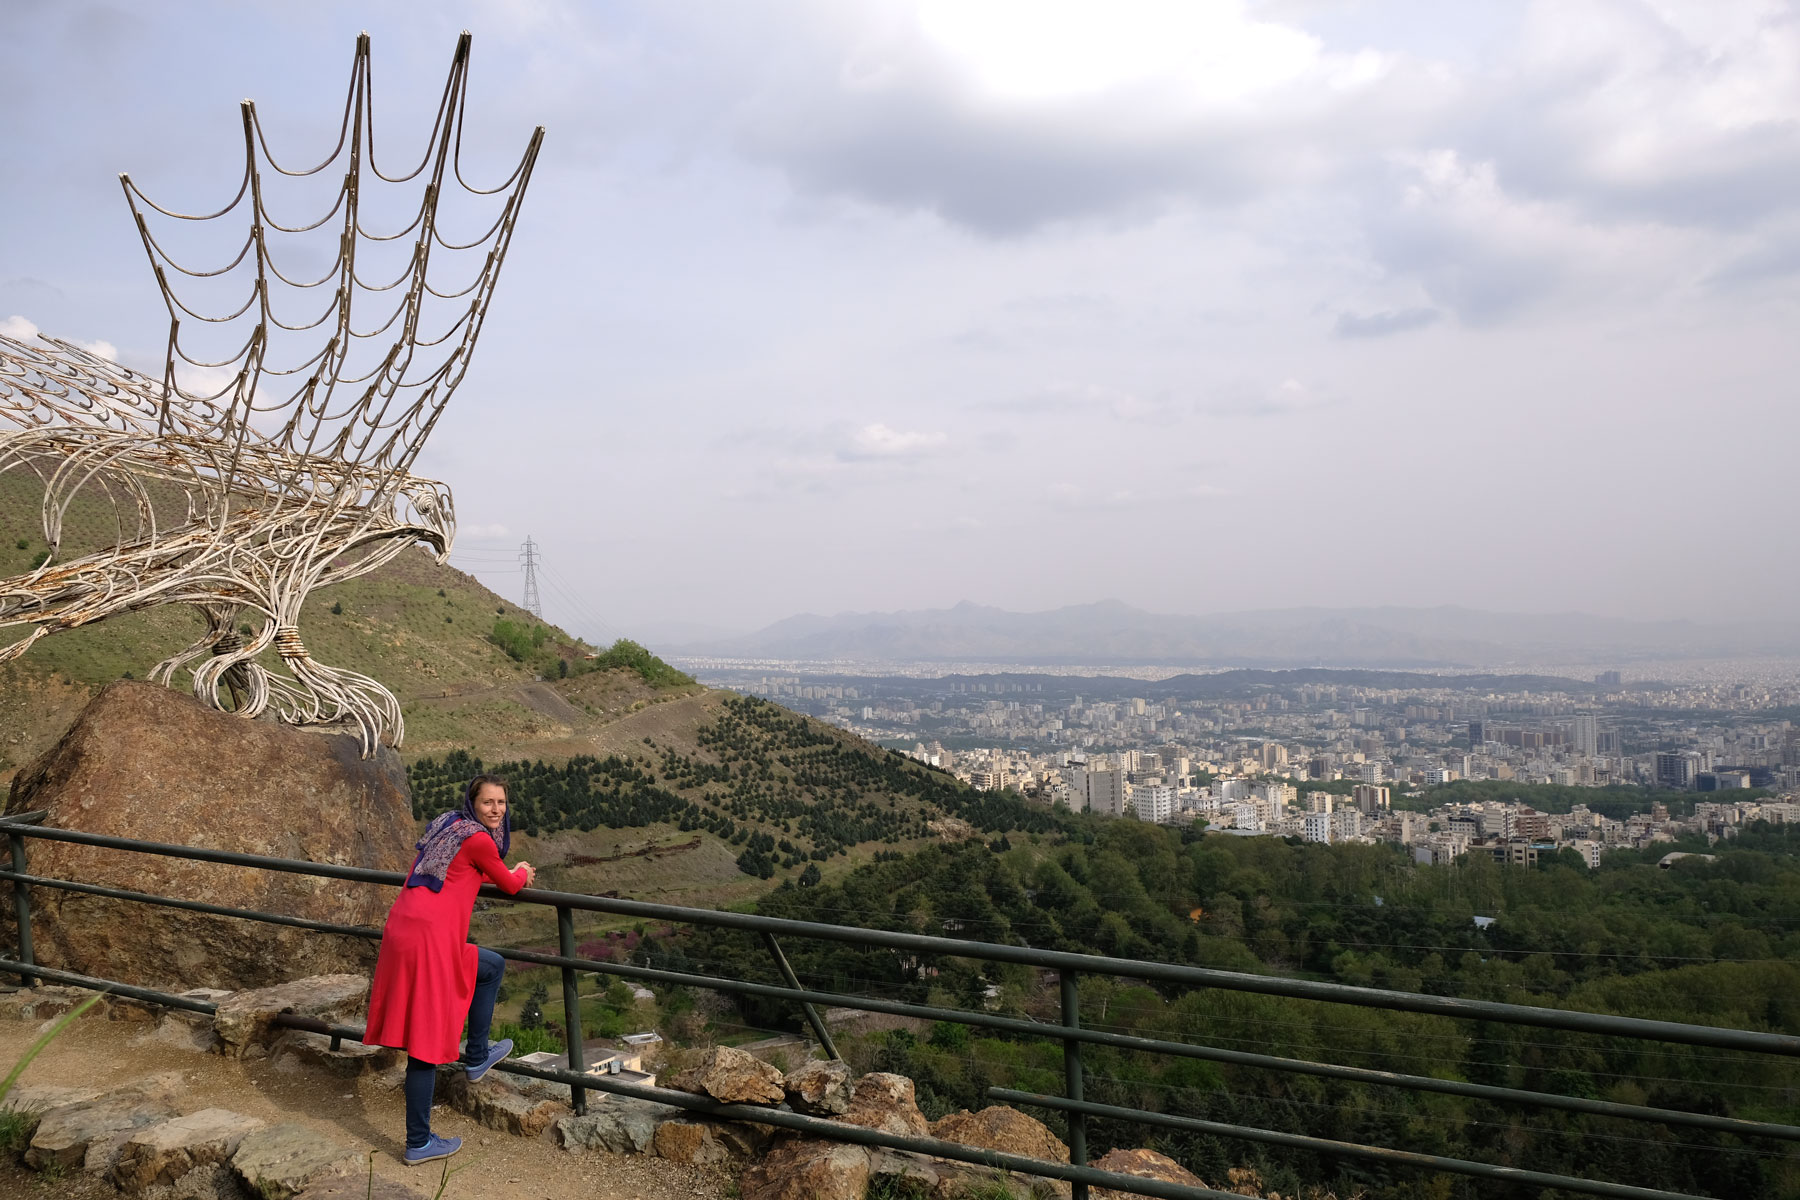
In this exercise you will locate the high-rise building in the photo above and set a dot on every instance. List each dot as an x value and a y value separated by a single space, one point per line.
1677 768
1318 827
1584 734
1371 799
1608 679
1477 734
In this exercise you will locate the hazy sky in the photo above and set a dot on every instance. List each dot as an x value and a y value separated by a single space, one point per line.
1201 305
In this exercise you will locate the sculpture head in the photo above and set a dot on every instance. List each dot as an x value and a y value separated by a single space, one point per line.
426 505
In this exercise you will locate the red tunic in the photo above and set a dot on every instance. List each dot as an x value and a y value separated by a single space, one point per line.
425 975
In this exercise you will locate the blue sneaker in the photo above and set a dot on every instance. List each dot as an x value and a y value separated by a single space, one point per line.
435 1147
496 1052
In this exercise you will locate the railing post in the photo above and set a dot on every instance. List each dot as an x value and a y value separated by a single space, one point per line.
22 907
565 932
793 981
1071 1019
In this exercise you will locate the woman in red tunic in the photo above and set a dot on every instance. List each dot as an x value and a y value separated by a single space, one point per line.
429 978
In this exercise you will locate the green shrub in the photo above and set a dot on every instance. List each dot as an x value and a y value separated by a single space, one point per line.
528 1041
653 670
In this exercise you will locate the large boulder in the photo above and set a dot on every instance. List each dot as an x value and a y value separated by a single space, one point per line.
731 1076
885 1101
1145 1164
146 762
820 1088
1004 1129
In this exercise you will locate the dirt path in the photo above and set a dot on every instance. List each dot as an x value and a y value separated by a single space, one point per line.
365 1113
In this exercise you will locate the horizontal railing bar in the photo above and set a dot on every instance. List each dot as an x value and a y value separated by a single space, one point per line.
129 991
1326 1146
217 910
1272 985
1125 1041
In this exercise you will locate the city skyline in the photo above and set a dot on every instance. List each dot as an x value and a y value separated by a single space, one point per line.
851 307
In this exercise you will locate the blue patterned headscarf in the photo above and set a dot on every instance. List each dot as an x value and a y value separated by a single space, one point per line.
448 831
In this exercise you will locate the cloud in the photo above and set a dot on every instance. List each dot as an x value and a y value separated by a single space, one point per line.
1251 400
1004 116
1088 399
881 442
1382 324
18 328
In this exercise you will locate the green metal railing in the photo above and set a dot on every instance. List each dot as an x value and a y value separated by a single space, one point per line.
1069 968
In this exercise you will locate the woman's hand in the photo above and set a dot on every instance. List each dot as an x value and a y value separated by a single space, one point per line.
530 872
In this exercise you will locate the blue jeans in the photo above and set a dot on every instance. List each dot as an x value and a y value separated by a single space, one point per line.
421 1077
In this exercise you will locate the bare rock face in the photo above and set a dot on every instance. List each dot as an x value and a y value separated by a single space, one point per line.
886 1102
819 1088
694 1142
1145 1164
731 1076
1004 1129
142 761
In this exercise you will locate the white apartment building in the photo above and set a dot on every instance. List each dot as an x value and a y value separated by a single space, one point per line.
1318 826
1153 802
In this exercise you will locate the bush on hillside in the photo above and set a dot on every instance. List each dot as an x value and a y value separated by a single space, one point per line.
517 640
653 670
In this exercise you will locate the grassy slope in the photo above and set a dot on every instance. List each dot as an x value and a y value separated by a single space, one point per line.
458 690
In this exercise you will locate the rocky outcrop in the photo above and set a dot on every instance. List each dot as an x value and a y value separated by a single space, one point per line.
731 1076
820 1088
146 762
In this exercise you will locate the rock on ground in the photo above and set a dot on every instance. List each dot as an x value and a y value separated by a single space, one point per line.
90 1135
301 1049
281 1161
820 1088
246 1019
161 1154
731 1076
618 1126
1004 1129
142 761
84 1127
497 1104
349 1187
886 1102
805 1168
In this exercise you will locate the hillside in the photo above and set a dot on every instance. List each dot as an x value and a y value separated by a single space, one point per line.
629 777
422 629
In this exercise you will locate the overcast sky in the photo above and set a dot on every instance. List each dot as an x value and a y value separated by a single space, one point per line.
1202 305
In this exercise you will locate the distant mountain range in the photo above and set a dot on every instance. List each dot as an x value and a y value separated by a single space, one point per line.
1111 632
